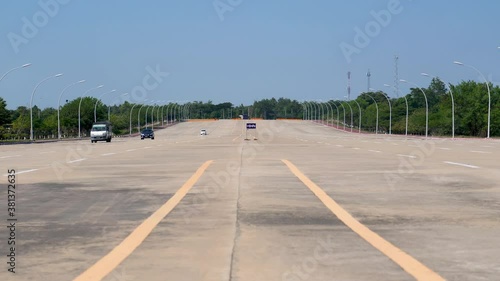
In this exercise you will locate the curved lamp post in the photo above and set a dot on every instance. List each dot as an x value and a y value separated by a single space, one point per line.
80 105
146 114
489 92
322 112
309 110
13 69
152 114
352 115
171 111
313 110
98 100
406 101
426 106
343 109
390 107
130 121
317 111
158 111
452 106
338 113
359 116
304 111
331 113
31 101
59 107
139 116
376 106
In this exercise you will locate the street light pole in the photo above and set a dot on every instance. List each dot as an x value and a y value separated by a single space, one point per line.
169 116
338 116
13 69
130 121
98 100
59 107
152 116
146 116
406 101
139 118
322 112
80 105
376 106
343 109
31 101
161 104
452 108
331 113
390 107
489 92
426 106
309 110
352 117
359 115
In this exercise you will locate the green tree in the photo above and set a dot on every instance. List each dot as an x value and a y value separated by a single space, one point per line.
4 113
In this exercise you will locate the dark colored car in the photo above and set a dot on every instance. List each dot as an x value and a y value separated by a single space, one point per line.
147 133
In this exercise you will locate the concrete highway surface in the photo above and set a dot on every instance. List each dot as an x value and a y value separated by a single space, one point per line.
296 200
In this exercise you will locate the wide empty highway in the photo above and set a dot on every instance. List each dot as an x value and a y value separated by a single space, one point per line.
295 201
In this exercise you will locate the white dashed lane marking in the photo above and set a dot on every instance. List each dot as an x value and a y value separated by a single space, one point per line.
10 156
408 156
462 165
23 172
482 152
77 160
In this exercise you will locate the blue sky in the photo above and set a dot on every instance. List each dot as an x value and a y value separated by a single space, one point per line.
256 49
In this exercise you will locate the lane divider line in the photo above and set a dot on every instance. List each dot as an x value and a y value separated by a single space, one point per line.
110 261
77 160
10 156
461 164
479 151
409 156
23 172
415 268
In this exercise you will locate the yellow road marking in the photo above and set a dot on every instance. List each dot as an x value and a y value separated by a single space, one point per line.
405 261
109 262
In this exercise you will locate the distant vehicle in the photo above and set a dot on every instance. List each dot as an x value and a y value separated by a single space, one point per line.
203 132
101 131
148 133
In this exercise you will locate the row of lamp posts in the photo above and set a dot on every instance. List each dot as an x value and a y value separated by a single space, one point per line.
311 108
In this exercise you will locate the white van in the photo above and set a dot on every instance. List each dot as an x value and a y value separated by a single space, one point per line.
203 132
101 131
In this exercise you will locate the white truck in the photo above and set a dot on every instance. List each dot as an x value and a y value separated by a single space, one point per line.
101 131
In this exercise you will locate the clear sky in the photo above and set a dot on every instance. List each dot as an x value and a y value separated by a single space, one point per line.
246 51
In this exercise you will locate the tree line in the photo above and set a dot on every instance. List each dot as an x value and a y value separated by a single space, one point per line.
470 105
